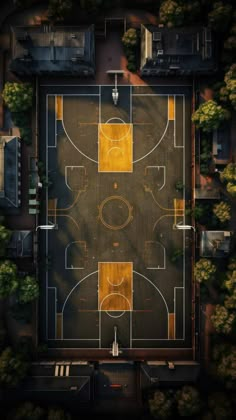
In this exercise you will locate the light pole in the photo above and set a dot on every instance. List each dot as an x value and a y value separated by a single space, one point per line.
180 226
46 227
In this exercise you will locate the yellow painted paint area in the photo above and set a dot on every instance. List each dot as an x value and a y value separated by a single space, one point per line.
171 329
171 108
115 144
115 286
59 107
179 206
59 326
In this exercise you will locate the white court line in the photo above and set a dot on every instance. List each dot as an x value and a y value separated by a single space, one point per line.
55 298
72 166
115 118
157 94
116 285
160 140
184 232
46 237
130 329
112 316
175 308
77 284
164 170
73 339
55 123
155 287
66 259
142 86
83 154
130 105
100 328
183 106
99 105
164 253
115 310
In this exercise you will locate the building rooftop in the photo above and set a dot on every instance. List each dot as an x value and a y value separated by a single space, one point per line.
43 49
176 50
9 172
215 244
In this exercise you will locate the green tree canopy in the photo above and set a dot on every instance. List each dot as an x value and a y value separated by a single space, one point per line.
13 368
228 91
188 401
220 16
18 96
229 173
130 38
230 281
209 116
204 270
161 405
171 13
28 289
223 320
5 236
231 188
59 9
58 414
224 358
28 411
8 279
222 211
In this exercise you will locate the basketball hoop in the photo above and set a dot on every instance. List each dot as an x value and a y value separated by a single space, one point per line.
115 346
115 93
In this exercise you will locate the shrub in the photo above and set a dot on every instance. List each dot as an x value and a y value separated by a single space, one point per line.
18 96
223 320
204 270
209 116
222 211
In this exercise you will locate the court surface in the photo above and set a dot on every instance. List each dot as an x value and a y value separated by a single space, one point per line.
111 192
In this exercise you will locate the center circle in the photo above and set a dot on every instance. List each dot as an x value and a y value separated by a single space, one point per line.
115 212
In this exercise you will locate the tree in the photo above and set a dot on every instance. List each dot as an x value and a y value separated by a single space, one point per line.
28 289
209 116
228 92
171 13
5 236
229 173
130 38
230 281
59 9
161 405
220 406
28 411
204 270
18 96
223 320
8 279
231 188
13 368
222 211
220 16
224 364
58 414
188 401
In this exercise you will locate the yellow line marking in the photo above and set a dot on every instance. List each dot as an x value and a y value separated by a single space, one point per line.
59 107
171 108
171 329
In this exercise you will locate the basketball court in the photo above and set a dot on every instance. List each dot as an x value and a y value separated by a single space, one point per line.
112 196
